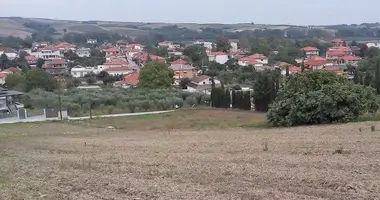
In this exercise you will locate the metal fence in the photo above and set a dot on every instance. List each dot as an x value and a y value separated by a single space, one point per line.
28 115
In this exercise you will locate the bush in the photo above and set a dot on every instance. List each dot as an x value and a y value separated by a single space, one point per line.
320 98
191 101
145 105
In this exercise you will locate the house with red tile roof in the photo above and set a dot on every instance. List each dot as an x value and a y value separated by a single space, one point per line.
338 70
55 66
64 47
350 60
338 42
315 62
116 71
310 51
254 59
180 62
219 57
129 80
143 57
112 51
112 64
334 54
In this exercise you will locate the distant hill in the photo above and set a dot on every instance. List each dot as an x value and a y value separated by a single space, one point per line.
15 26
22 27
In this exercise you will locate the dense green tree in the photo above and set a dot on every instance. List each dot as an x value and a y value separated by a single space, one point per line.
161 51
184 82
156 74
4 61
319 97
91 80
38 78
40 63
265 89
372 52
15 81
222 44
356 77
197 55
368 78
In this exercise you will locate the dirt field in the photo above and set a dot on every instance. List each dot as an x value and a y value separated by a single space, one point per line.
64 161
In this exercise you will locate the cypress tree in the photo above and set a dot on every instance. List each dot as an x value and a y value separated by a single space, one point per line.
368 79
356 77
287 70
377 77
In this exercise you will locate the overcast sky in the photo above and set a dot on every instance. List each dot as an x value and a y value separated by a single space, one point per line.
299 12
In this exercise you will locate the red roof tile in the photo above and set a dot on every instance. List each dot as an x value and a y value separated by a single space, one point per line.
118 69
116 62
309 48
350 58
55 61
180 62
12 69
218 53
3 75
333 68
316 61
64 45
294 69
132 78
113 49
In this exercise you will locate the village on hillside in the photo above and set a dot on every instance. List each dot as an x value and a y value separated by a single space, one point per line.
126 59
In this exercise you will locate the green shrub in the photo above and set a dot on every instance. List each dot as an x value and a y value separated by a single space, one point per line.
320 98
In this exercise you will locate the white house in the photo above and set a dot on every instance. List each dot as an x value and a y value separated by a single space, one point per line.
234 45
80 71
202 83
169 44
47 53
83 52
10 53
372 44
219 57
116 71
207 45
92 41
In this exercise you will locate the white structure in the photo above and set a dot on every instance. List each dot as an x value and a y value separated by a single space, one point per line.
92 41
47 53
372 44
116 71
169 44
219 57
10 53
83 52
202 84
234 46
207 45
80 71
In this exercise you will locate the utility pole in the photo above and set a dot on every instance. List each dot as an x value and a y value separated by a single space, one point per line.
59 97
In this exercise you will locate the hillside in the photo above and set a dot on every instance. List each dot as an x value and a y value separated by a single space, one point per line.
15 26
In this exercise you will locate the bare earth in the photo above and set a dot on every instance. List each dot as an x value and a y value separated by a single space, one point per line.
63 161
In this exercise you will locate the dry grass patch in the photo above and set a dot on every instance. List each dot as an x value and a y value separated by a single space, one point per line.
182 119
63 161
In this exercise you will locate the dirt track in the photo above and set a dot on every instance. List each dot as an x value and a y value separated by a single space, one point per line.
55 161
